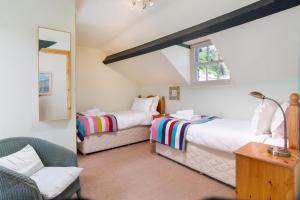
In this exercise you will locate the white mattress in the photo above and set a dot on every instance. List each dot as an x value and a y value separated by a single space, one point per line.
128 119
223 134
214 163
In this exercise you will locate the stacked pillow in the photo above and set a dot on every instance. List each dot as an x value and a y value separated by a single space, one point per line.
268 119
148 105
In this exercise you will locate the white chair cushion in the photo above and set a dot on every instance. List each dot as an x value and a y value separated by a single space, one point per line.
261 121
52 181
277 126
26 161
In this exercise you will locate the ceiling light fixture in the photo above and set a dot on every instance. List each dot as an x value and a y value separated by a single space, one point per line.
142 4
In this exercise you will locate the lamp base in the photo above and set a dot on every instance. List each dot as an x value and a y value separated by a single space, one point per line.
277 151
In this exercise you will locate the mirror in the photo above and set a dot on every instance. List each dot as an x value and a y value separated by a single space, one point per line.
54 74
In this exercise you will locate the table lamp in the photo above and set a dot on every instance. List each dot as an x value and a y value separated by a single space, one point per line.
274 150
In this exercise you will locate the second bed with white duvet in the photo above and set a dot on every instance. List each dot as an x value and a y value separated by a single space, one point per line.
210 147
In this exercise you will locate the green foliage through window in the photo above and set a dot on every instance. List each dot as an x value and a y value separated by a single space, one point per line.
209 64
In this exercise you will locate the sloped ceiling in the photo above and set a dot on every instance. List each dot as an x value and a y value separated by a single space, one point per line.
113 26
150 69
101 21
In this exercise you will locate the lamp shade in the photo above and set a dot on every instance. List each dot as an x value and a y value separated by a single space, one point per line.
257 95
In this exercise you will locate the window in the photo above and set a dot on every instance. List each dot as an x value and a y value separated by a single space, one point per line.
207 63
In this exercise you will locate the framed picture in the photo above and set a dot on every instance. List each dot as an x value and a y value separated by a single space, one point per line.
45 83
174 93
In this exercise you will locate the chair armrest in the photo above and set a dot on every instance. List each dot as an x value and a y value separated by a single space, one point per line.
14 185
56 156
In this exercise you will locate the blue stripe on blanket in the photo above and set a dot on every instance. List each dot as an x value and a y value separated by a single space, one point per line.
80 130
174 134
161 129
183 132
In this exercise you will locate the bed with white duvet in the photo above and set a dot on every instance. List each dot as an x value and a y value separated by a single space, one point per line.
224 134
131 118
132 126
210 146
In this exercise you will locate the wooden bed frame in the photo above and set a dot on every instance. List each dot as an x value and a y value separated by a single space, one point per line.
293 122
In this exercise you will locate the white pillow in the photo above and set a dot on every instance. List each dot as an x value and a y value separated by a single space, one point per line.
52 181
261 121
142 104
154 105
26 161
277 125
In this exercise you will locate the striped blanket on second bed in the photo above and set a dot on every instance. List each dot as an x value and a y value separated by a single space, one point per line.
88 125
172 132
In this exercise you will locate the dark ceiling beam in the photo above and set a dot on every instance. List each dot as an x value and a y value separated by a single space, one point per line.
185 45
240 16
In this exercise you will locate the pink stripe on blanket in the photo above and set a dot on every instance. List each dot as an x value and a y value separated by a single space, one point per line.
86 126
107 123
91 125
96 129
154 128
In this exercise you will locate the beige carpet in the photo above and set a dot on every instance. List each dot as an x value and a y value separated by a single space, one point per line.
133 173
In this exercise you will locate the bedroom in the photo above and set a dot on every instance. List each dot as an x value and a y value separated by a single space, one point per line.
206 70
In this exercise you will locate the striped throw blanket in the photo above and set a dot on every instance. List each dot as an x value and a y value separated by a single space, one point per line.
172 132
88 125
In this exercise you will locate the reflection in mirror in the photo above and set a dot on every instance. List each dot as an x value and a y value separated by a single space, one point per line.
54 75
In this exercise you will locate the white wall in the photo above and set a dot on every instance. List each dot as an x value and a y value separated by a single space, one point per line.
179 57
19 105
98 86
263 55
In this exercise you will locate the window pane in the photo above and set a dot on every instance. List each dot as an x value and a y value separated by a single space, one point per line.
224 72
201 73
209 64
212 53
201 55
213 71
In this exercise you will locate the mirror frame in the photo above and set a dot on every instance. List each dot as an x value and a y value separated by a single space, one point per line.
68 70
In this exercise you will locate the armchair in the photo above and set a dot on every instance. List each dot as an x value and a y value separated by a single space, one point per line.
14 185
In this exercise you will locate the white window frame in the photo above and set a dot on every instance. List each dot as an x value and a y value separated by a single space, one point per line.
194 71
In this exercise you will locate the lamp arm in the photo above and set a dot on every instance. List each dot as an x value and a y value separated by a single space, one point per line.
285 121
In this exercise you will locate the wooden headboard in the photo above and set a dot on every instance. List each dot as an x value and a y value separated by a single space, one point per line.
161 108
293 122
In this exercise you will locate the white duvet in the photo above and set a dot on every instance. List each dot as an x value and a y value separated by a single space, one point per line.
129 119
224 134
